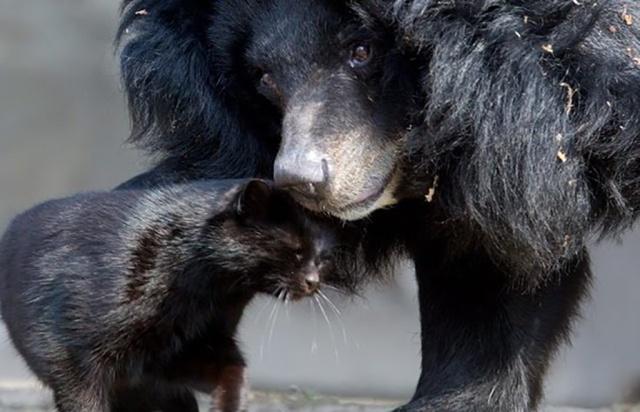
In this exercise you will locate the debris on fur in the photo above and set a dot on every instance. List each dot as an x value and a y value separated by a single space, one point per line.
548 48
430 196
142 12
634 55
626 17
562 156
570 94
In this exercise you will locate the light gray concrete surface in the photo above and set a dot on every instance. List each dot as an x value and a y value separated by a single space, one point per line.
35 400
295 400
62 124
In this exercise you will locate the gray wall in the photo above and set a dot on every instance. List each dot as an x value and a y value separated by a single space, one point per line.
62 127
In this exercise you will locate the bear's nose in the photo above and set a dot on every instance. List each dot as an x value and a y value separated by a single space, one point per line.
305 174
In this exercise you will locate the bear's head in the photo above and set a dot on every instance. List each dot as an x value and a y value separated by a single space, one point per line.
312 93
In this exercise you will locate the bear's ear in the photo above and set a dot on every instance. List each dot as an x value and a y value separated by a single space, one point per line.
178 109
166 74
254 201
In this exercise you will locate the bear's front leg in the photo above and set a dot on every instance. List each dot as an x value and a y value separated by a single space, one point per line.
485 345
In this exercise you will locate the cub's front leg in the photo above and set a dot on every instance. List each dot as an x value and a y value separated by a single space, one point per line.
231 393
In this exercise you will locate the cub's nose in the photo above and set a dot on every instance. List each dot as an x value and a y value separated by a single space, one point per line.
307 174
312 282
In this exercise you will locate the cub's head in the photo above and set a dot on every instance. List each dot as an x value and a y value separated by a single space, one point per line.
311 93
275 247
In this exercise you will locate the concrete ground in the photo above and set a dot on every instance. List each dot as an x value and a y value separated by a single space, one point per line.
30 398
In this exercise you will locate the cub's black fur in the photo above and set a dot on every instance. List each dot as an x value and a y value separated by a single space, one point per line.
487 138
124 302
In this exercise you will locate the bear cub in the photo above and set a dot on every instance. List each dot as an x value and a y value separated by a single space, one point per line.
140 334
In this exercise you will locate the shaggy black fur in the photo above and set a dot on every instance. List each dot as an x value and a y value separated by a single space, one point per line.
532 125
505 130
531 122
127 301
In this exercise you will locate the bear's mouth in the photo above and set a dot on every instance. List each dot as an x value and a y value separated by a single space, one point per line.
370 201
379 197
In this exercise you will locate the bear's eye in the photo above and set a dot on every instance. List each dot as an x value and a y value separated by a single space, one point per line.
268 82
360 55
269 88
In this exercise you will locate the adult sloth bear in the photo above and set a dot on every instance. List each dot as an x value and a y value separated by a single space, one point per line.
505 132
486 139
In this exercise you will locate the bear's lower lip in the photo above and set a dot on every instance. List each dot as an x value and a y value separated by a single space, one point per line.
367 199
364 205
372 195
359 210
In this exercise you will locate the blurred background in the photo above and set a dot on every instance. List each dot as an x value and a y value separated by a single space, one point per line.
63 125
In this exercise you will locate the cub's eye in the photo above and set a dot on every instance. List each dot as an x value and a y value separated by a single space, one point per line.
325 257
360 55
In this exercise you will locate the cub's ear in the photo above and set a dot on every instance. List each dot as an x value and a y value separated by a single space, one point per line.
254 201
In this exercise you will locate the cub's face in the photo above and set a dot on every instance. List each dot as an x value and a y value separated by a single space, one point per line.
290 253
328 91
